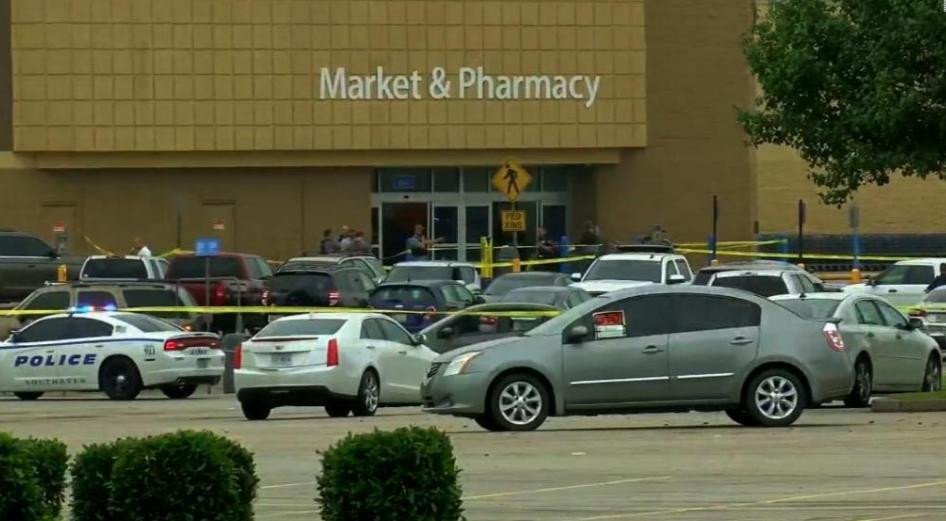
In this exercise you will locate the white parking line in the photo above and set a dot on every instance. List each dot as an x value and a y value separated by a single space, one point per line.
569 487
736 506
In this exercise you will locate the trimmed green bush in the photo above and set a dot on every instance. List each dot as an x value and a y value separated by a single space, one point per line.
50 460
185 475
246 479
21 497
409 473
91 481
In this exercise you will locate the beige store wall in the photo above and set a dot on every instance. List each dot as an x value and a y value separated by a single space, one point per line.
906 205
220 75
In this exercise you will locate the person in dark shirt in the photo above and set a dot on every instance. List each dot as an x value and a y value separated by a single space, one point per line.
940 279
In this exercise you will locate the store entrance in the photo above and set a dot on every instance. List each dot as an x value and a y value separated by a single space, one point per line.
397 224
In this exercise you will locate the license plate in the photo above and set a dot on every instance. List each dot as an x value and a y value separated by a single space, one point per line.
198 351
934 317
282 360
203 363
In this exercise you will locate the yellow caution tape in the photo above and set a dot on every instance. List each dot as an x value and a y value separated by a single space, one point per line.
98 248
285 310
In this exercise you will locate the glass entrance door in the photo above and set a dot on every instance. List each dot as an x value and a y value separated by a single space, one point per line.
397 224
445 229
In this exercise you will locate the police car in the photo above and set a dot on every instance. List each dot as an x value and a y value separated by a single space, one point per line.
117 353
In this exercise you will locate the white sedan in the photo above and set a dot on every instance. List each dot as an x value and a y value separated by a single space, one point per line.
117 353
348 363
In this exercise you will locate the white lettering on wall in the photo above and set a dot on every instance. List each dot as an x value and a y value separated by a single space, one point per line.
471 83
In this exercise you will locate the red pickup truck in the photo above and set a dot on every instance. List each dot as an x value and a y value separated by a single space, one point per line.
236 279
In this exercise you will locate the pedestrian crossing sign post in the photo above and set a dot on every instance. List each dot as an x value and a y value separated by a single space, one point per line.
511 179
514 220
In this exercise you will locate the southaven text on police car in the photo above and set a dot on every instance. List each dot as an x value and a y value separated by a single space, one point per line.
118 353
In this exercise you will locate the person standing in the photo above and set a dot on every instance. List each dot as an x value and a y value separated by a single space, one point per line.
590 236
545 249
940 279
140 248
345 239
328 244
358 244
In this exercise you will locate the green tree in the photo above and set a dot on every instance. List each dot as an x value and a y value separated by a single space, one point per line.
857 87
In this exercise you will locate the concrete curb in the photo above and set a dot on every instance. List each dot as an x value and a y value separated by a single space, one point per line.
894 405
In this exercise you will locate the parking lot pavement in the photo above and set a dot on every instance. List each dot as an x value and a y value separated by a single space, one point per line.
835 464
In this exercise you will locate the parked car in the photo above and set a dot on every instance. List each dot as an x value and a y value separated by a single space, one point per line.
889 352
368 264
627 270
475 324
106 296
310 286
413 271
347 363
236 279
127 267
510 281
768 283
422 300
116 353
904 283
931 311
26 263
651 348
560 298
703 276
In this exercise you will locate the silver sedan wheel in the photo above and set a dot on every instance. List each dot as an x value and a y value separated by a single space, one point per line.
776 397
371 393
520 403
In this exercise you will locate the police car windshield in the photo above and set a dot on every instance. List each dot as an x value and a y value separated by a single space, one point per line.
313 327
145 323
409 273
625 269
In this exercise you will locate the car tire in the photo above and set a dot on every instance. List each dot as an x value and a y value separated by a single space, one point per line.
863 385
509 400
337 410
741 417
933 375
369 395
119 379
255 411
486 421
775 398
28 397
179 392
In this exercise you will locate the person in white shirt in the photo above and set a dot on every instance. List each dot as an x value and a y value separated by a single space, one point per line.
140 249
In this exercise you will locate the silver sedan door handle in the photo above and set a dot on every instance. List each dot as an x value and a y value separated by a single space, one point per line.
741 341
652 349
891 291
369 347
402 352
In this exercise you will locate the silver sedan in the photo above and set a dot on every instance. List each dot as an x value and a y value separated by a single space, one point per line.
653 348
890 353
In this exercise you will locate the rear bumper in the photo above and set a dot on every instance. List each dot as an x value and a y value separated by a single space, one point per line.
303 395
183 369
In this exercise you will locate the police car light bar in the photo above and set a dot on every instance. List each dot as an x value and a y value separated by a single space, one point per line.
90 309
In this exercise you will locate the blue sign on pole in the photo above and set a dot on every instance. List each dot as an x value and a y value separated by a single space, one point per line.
207 246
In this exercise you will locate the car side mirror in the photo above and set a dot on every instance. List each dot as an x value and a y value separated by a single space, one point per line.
445 332
419 340
577 334
15 336
915 323
52 254
479 300
576 277
676 278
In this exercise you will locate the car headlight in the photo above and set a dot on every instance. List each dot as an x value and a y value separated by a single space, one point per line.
459 364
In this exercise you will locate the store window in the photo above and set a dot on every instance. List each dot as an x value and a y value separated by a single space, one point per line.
555 179
446 179
476 180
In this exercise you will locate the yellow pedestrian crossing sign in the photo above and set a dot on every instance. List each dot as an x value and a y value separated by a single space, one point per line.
511 179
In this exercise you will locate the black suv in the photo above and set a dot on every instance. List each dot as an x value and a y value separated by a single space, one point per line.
310 286
27 263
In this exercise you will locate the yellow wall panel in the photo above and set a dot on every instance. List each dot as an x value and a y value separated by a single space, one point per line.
142 55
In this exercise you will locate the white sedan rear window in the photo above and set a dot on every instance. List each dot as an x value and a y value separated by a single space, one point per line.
313 327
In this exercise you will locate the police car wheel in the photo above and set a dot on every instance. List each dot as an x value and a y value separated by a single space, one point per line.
179 392
119 379
27 396
254 411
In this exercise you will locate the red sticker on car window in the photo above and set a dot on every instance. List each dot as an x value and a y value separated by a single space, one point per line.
609 324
